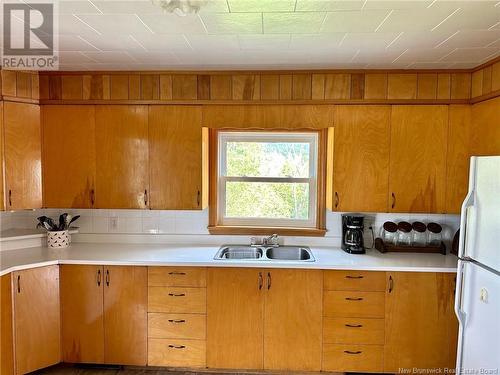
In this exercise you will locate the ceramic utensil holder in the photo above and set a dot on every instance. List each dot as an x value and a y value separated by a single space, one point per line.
59 239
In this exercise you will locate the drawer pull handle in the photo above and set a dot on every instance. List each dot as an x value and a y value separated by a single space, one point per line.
176 295
353 277
177 321
177 273
351 352
354 299
354 325
177 346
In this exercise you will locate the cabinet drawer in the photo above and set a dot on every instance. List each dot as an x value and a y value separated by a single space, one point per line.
354 304
177 300
353 358
353 331
176 353
177 276
177 326
365 281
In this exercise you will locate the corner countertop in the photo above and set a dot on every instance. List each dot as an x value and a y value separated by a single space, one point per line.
202 256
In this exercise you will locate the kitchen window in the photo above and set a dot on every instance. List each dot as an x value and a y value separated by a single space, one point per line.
267 180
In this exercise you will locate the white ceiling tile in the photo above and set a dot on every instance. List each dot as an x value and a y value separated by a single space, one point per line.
77 7
495 44
212 44
377 56
252 6
472 38
70 25
414 20
422 39
115 24
306 42
424 55
471 15
328 5
74 43
111 57
368 40
264 42
427 65
68 58
397 4
128 7
143 57
353 21
162 42
233 23
475 55
461 65
215 6
113 42
169 23
293 23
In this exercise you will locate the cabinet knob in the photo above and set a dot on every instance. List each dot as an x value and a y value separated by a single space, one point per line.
337 200
177 346
176 295
354 298
146 197
177 273
351 352
353 277
99 278
269 280
261 281
198 198
10 198
107 278
391 284
354 325
177 321
92 197
18 283
393 200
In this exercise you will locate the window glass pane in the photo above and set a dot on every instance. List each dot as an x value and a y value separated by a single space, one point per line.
267 200
267 159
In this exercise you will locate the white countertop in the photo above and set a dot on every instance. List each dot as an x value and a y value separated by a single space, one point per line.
201 256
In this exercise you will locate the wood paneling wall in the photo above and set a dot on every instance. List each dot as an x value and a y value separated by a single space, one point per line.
485 81
20 86
231 87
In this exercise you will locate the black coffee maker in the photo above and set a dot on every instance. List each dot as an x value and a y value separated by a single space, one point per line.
352 233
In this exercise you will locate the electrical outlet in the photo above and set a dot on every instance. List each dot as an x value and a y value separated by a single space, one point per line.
113 223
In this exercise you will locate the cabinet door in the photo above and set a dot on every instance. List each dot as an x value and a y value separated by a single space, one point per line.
122 171
2 203
418 158
125 315
68 155
361 158
37 318
234 318
82 314
6 333
421 329
175 141
23 166
485 129
293 320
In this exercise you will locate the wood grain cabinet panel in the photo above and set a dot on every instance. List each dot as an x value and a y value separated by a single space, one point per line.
235 331
23 157
361 158
353 331
363 281
292 320
82 320
177 326
37 318
176 157
417 179
68 156
2 202
177 299
421 329
6 326
125 315
177 353
485 138
353 358
122 156
353 304
195 277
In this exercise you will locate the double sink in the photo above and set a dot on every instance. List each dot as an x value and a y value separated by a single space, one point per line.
262 253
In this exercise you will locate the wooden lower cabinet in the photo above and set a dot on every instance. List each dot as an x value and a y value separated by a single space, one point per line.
6 332
267 319
104 316
421 329
353 358
36 319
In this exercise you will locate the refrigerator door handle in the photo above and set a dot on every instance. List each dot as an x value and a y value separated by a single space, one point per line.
461 315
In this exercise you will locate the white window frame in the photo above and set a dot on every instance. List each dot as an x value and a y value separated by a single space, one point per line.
269 137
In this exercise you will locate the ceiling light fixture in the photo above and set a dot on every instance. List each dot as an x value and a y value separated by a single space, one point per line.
180 7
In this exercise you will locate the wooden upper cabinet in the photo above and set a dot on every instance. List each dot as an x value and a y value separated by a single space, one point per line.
122 165
23 166
36 319
421 329
293 320
417 180
458 157
361 158
234 318
485 137
175 142
68 155
125 315
82 322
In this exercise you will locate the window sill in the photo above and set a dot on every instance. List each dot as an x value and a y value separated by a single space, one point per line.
233 230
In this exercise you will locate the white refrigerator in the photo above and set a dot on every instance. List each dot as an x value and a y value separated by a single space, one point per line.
477 301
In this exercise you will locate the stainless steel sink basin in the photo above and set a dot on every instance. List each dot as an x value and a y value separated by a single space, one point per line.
239 252
263 253
289 253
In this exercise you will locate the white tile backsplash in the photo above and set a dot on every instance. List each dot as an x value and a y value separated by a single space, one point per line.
196 222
